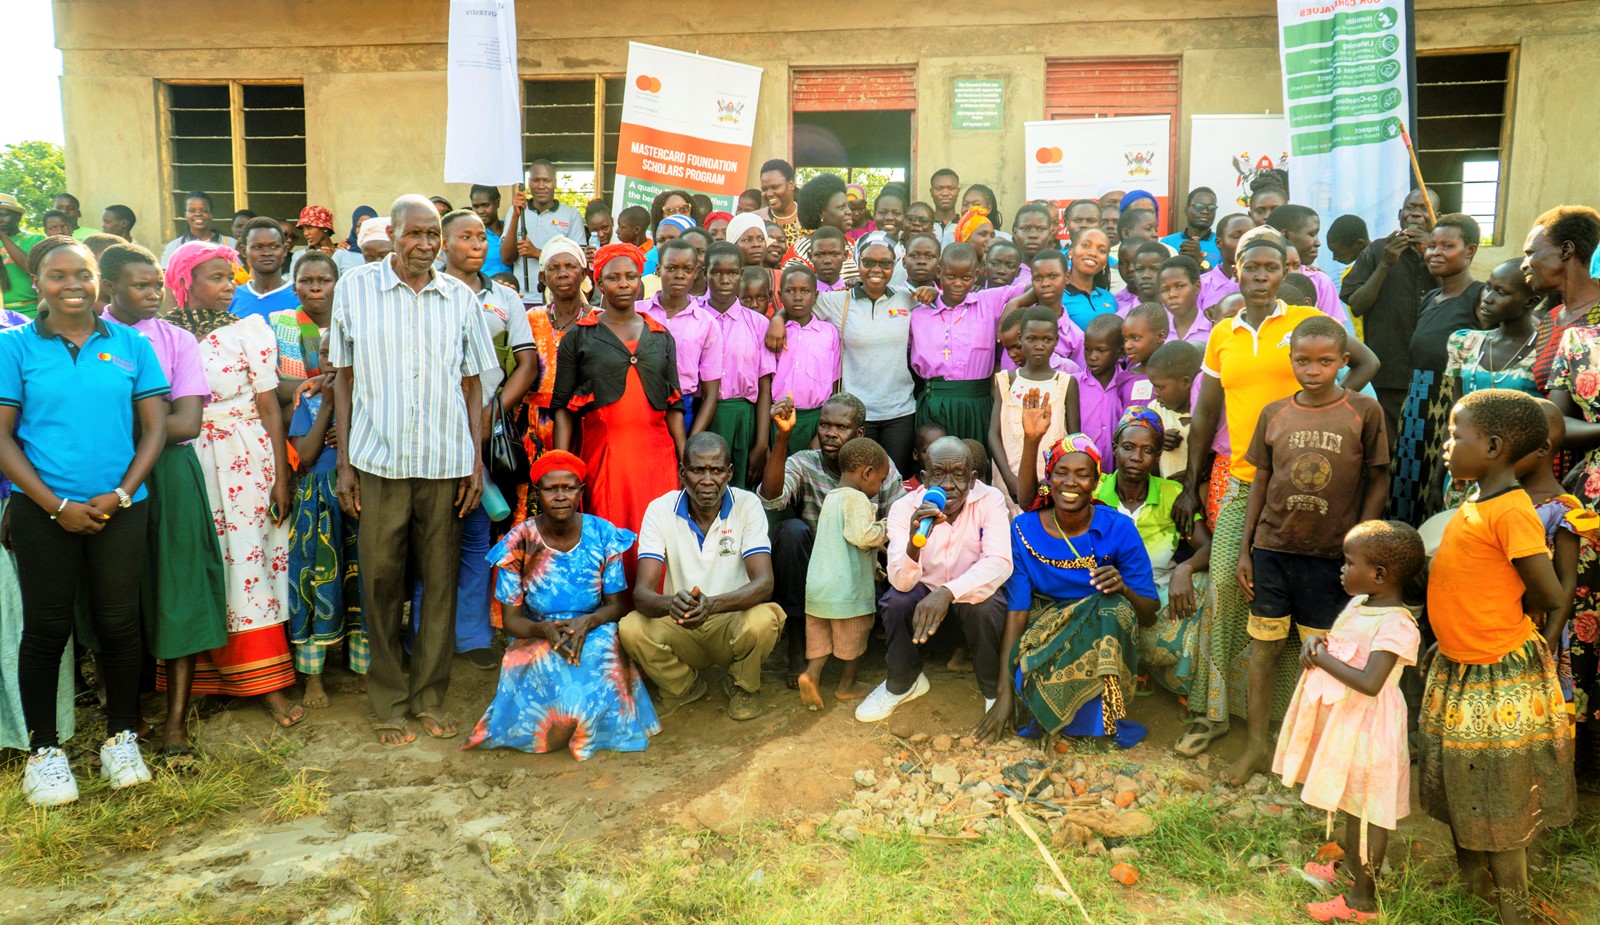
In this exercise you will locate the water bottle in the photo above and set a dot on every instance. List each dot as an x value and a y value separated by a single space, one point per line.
494 503
594 240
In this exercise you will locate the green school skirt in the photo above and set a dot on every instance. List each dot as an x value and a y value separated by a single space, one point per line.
735 422
962 406
805 428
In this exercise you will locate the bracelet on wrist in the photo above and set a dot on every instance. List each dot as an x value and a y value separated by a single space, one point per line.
60 508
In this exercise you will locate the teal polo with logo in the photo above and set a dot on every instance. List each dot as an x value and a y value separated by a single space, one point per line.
75 404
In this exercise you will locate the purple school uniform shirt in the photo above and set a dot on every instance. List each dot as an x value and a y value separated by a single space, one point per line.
179 355
698 340
1126 300
1327 295
1100 406
958 342
809 364
1214 287
835 286
1199 330
745 357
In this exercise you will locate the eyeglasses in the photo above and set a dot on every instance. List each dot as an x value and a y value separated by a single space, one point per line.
1202 207
870 264
684 209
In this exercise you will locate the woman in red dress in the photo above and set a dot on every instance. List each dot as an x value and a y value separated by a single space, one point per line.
617 387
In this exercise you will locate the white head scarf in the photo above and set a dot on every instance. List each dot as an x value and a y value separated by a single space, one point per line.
561 244
743 222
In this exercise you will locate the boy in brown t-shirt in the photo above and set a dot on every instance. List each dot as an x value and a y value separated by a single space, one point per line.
1322 466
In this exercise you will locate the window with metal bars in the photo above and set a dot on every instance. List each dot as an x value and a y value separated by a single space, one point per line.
1464 101
244 143
574 123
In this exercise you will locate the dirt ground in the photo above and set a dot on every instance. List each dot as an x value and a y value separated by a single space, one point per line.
431 814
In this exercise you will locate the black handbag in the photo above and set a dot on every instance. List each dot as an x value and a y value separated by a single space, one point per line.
507 455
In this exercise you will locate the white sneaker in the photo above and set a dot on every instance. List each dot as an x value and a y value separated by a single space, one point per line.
48 781
120 761
880 703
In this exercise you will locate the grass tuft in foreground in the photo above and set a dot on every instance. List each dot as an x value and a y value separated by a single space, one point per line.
67 843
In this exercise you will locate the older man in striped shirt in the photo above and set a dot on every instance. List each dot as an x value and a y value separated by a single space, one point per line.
408 344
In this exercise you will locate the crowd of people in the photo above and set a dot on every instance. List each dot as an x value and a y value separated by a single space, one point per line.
645 444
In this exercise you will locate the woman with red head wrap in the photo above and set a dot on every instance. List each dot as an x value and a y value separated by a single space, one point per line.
616 397
564 681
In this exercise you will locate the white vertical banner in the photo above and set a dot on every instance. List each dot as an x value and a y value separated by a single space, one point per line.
1071 159
1226 153
1346 100
483 124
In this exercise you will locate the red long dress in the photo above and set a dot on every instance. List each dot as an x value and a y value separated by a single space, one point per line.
630 457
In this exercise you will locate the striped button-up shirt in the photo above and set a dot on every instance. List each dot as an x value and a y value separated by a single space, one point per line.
410 351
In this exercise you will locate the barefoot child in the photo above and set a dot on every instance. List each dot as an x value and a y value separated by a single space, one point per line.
1495 783
1172 370
325 585
1144 330
1322 466
1037 379
1344 735
807 370
840 588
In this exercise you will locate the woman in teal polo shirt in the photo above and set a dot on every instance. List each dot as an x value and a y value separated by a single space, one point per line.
69 387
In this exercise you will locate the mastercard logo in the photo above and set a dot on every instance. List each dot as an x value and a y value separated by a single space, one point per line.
1048 155
648 84
103 357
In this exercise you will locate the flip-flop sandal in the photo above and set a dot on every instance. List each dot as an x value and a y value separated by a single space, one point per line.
285 719
443 722
178 757
1202 732
398 726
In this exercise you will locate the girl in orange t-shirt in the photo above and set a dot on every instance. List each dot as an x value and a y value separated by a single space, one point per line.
1496 755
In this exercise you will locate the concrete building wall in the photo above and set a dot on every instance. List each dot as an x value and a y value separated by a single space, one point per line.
375 88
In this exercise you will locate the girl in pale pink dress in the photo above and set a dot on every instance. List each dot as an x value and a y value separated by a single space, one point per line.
1344 735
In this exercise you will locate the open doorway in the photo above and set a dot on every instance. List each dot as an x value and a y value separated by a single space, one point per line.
855 122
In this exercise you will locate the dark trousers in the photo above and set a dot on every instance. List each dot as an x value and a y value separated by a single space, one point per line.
52 565
898 437
415 520
983 622
791 559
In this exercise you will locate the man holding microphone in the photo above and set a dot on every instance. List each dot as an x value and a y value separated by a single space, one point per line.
957 567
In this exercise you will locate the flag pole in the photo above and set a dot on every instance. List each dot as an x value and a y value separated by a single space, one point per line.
1416 170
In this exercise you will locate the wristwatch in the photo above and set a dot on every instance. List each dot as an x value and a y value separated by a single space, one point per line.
123 499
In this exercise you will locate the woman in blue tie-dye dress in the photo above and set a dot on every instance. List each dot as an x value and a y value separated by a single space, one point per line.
564 680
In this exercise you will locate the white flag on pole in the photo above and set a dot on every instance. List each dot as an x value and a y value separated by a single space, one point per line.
483 130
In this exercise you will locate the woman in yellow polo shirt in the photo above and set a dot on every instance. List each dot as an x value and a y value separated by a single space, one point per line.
1246 367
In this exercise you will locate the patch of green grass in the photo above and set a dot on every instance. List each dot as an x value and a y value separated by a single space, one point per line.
66 844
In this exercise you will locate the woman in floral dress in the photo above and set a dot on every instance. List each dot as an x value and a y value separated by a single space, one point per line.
242 453
1559 249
